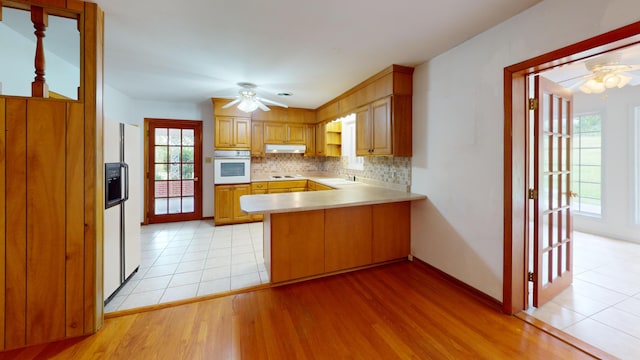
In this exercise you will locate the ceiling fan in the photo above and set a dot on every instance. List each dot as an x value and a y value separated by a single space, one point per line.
606 73
248 100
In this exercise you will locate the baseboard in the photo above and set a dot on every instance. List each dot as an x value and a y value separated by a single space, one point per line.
477 294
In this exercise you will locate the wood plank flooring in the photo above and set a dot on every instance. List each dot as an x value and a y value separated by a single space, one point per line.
398 311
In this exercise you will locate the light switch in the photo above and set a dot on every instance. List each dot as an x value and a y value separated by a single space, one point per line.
207 160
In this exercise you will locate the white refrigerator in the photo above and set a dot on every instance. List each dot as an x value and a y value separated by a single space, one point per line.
122 205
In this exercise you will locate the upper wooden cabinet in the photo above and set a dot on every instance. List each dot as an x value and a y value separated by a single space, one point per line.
257 138
232 132
374 129
311 140
284 133
382 105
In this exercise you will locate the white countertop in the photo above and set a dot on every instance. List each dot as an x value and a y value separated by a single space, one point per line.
347 193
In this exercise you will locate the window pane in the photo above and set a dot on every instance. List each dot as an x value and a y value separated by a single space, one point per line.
587 164
175 137
162 136
187 154
161 154
161 172
188 137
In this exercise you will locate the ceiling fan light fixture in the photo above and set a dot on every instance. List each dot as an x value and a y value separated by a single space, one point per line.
248 105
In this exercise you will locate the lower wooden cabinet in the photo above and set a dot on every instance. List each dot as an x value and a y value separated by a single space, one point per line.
347 242
336 239
227 204
298 250
391 231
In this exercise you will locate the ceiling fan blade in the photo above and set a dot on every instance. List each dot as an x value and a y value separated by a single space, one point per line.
262 106
272 102
231 103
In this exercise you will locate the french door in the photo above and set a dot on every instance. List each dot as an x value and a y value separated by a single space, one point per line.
551 193
173 170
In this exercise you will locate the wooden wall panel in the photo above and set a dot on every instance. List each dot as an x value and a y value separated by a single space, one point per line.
45 220
3 223
74 220
16 223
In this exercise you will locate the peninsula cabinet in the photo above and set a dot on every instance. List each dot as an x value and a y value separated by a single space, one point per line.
227 204
298 251
232 132
347 242
384 127
335 239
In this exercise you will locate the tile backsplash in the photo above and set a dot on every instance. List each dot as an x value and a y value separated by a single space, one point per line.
394 170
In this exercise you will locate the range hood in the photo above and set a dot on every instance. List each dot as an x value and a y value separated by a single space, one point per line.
284 149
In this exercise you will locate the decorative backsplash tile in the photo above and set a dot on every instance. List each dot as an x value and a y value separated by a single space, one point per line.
394 170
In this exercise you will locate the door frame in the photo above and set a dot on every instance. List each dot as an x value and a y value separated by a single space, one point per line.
147 171
516 181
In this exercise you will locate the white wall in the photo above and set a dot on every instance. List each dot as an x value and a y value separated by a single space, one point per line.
458 126
185 111
618 190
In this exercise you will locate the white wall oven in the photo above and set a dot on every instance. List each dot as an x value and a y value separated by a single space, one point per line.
231 166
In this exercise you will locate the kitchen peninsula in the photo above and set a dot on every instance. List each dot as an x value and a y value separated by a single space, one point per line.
308 234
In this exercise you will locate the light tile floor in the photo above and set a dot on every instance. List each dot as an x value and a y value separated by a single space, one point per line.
602 307
187 259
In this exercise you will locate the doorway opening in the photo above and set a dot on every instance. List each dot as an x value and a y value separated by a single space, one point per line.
516 94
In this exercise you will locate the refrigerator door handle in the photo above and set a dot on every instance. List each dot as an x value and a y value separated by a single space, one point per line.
126 181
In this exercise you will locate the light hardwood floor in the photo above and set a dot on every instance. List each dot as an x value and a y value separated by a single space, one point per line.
398 311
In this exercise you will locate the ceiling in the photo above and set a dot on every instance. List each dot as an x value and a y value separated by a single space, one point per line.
189 51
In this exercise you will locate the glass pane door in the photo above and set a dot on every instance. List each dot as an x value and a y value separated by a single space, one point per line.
174 153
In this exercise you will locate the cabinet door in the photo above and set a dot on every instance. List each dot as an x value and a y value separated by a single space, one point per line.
224 128
320 144
363 131
296 134
223 204
274 133
257 139
292 258
311 141
239 190
242 133
347 238
381 127
391 231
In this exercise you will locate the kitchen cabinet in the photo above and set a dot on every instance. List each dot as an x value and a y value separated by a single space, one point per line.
284 133
258 188
287 255
391 232
347 242
333 138
320 144
232 132
315 186
287 186
383 127
353 237
257 138
310 149
227 204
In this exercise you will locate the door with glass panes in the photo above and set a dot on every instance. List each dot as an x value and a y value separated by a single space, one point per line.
174 170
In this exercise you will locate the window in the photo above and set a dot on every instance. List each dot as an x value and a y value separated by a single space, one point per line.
587 164
349 143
